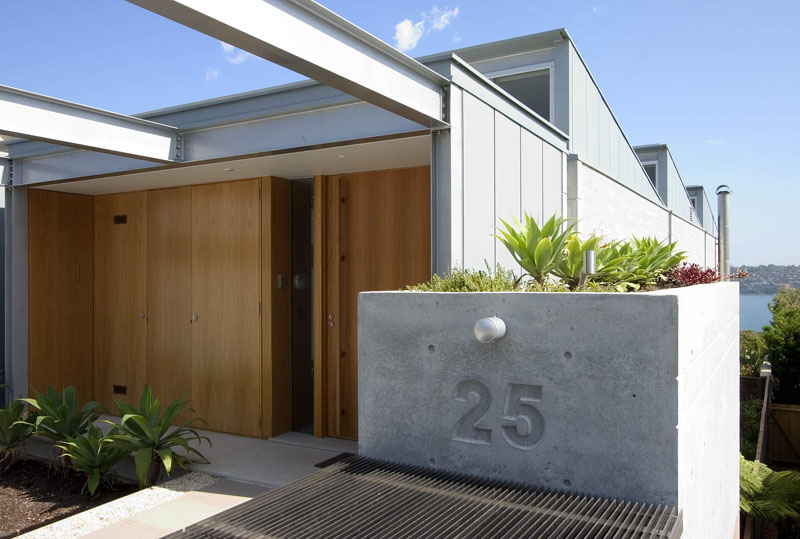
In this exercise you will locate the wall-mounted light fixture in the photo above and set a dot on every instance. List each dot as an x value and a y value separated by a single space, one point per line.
488 330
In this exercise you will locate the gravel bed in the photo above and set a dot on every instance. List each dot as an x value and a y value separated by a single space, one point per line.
122 508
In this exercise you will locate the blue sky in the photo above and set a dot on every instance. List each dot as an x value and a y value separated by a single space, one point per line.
717 81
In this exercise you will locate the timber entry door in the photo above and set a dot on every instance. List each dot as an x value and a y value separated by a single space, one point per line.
226 296
377 232
120 318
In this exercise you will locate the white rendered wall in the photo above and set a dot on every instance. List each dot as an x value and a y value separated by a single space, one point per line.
615 211
607 208
691 239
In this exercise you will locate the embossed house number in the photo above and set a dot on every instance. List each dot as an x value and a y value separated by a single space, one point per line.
523 424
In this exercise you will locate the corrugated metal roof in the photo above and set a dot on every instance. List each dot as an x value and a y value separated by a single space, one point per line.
360 498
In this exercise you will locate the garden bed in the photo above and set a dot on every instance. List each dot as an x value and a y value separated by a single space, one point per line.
34 494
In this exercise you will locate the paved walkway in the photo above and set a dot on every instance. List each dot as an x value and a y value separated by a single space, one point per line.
176 514
240 468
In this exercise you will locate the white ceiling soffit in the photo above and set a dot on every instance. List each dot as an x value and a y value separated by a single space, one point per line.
380 155
37 117
306 37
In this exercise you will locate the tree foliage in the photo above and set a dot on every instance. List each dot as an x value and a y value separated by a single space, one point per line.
782 338
752 351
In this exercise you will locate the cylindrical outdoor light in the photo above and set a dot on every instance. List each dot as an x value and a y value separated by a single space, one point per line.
488 330
589 266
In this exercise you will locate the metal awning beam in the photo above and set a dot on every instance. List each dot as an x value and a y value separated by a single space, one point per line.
305 37
37 117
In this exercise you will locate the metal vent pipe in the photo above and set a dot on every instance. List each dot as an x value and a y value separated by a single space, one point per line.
723 192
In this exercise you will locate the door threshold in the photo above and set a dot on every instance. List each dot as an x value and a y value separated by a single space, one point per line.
302 439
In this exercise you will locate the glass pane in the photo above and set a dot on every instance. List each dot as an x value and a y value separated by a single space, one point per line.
651 173
533 89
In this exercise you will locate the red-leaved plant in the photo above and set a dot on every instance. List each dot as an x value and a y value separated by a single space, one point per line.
691 274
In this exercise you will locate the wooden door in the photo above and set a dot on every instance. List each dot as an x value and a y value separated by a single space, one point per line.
61 292
378 237
276 286
226 295
120 324
169 293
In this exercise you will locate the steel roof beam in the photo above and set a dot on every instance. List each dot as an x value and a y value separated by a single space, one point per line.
305 37
37 117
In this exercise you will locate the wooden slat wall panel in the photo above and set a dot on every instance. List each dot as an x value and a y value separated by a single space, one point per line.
276 367
120 342
226 291
169 293
61 291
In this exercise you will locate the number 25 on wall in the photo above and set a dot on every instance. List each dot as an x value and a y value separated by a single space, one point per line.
524 423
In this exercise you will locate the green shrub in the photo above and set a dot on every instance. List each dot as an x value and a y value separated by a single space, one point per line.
499 280
14 432
93 455
538 250
151 437
782 338
59 417
769 495
752 351
749 425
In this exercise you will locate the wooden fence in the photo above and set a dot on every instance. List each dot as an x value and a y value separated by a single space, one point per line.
784 434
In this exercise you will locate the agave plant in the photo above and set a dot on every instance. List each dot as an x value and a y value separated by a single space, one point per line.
93 455
14 432
538 250
59 417
642 262
149 436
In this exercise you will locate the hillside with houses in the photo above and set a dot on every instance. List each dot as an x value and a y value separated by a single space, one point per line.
766 279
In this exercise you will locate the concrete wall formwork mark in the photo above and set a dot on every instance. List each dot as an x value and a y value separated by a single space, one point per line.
708 408
638 401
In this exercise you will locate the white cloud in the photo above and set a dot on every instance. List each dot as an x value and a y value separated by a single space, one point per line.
456 39
595 9
232 54
715 142
440 18
212 74
408 33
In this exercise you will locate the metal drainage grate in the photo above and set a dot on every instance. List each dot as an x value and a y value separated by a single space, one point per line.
360 498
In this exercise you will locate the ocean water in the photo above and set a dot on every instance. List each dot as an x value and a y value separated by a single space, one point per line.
754 311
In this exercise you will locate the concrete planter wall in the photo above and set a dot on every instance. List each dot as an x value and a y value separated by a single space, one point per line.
631 396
